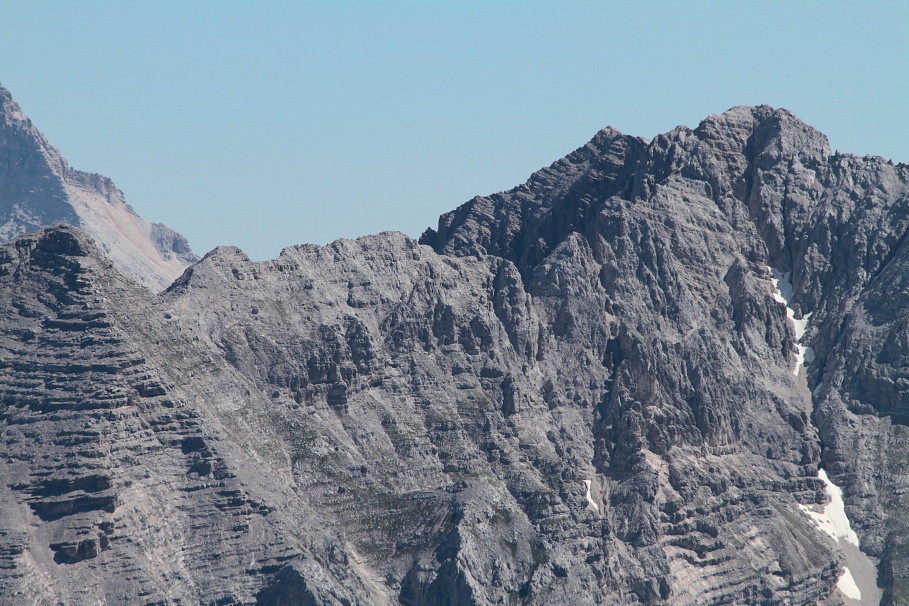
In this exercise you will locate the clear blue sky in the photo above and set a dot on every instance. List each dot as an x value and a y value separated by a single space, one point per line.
264 124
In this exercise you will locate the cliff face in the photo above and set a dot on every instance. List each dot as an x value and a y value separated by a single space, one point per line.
769 186
580 391
38 188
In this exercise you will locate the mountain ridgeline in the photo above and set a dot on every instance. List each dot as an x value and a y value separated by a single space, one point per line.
38 188
580 391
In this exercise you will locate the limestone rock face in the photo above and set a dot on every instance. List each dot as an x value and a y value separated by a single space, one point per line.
684 227
580 391
38 188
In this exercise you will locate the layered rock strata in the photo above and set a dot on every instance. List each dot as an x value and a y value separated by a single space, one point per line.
834 222
580 391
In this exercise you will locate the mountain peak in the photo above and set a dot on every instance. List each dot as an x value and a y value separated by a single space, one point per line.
38 188
765 124
9 109
720 159
599 394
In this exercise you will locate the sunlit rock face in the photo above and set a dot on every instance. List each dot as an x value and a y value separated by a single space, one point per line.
38 188
581 391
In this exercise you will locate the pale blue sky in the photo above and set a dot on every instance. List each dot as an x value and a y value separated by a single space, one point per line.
273 123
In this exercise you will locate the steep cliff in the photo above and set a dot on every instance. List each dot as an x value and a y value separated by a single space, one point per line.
584 390
833 222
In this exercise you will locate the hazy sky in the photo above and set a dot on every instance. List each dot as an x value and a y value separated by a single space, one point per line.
264 124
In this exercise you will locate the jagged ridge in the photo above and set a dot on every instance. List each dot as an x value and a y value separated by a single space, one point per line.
378 423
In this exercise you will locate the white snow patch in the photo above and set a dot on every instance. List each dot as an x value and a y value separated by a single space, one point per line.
809 354
591 504
832 519
800 325
846 583
782 293
782 287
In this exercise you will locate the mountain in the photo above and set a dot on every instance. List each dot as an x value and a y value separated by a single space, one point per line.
623 382
38 188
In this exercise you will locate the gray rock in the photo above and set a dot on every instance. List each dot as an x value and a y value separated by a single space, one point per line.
38 188
579 391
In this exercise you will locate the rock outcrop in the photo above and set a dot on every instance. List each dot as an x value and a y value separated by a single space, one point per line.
38 188
579 391
769 185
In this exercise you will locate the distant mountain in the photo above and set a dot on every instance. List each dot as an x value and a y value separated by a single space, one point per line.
38 188
629 380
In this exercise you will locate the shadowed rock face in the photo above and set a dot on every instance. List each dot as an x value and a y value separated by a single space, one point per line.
38 188
576 392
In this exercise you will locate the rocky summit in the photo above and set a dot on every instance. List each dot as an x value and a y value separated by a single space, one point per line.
626 381
38 188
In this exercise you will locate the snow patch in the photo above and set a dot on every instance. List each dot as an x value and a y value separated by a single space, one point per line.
783 293
832 519
800 325
591 504
808 354
782 287
848 586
